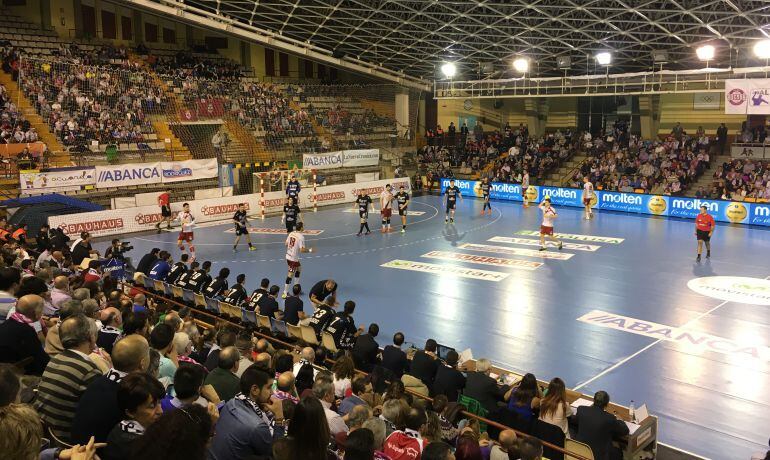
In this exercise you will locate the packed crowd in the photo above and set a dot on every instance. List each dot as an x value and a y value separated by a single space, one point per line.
185 65
14 128
83 103
501 156
665 167
738 180
119 372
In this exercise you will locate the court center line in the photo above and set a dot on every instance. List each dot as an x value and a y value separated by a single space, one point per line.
639 352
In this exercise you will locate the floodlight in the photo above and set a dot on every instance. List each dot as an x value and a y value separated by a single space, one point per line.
449 69
521 65
604 58
762 49
705 52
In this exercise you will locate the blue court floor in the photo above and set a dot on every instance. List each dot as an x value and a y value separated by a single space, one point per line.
521 309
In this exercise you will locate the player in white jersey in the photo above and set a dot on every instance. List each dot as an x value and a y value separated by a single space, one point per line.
295 245
546 228
588 195
187 222
386 208
524 187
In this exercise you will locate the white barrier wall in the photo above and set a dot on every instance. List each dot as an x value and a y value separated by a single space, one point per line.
141 218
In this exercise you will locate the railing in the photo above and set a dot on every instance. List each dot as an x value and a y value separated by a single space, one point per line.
283 344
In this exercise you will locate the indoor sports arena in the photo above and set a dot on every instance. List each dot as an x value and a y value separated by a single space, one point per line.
384 230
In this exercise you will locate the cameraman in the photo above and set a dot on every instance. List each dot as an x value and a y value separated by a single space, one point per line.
117 251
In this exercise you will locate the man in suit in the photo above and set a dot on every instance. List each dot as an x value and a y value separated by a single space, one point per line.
394 358
483 388
366 349
425 363
19 336
97 410
597 428
225 338
449 381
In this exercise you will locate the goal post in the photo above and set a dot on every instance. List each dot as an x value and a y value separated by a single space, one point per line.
275 181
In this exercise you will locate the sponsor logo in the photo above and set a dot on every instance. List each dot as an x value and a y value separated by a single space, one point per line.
119 175
656 205
274 203
483 260
691 339
516 251
736 97
762 211
221 209
754 291
621 198
736 212
324 160
570 236
506 188
275 231
330 196
555 192
693 204
761 214
531 242
177 171
154 218
94 226
531 193
446 270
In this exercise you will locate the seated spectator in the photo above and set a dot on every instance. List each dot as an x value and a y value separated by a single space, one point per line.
449 431
308 435
218 286
425 363
245 346
224 379
10 278
19 339
285 389
162 267
67 376
343 371
59 294
148 261
507 446
53 344
138 399
407 443
377 427
268 305
225 338
10 385
359 445
324 391
237 294
359 388
468 447
250 422
293 308
554 408
531 449
162 341
109 333
97 410
178 269
343 327
449 381
304 371
524 398
438 451
189 389
394 358
177 435
183 345
140 303
366 349
597 428
322 317
354 420
483 388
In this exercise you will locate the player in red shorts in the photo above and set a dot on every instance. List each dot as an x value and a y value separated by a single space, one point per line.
295 244
704 228
546 228
186 235
386 209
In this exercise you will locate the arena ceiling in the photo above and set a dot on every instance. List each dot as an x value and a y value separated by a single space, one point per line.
418 36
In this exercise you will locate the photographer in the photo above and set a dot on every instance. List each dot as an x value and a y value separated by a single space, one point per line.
115 256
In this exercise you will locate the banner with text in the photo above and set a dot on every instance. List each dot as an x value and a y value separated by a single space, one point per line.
155 173
736 97
341 159
322 160
659 205
364 157
56 180
178 171
747 96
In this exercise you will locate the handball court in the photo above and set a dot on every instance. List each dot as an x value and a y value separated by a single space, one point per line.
611 311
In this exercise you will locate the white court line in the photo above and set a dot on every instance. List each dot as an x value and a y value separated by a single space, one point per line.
629 358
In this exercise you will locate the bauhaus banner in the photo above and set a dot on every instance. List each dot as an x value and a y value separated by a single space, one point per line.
747 96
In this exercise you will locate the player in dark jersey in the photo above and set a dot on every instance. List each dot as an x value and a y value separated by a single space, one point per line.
241 222
451 192
485 187
363 202
402 199
293 188
291 214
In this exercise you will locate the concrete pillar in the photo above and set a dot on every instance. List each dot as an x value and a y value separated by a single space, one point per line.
649 118
402 114
542 115
45 14
536 110
76 8
138 25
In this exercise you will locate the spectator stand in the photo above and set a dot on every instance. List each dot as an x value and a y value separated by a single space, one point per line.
209 313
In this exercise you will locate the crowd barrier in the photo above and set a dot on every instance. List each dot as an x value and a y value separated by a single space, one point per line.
142 218
658 205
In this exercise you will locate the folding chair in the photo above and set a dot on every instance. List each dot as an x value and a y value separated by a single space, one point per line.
159 286
474 407
188 296
308 335
578 448
177 292
248 316
212 305
327 341
295 332
200 301
263 322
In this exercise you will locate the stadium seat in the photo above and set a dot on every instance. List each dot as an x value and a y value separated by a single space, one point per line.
159 287
248 316
149 283
188 296
551 434
328 343
308 335
200 301
474 407
176 291
212 305
295 332
263 322
577 448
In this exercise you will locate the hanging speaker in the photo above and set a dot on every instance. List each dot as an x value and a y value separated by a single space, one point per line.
563 62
